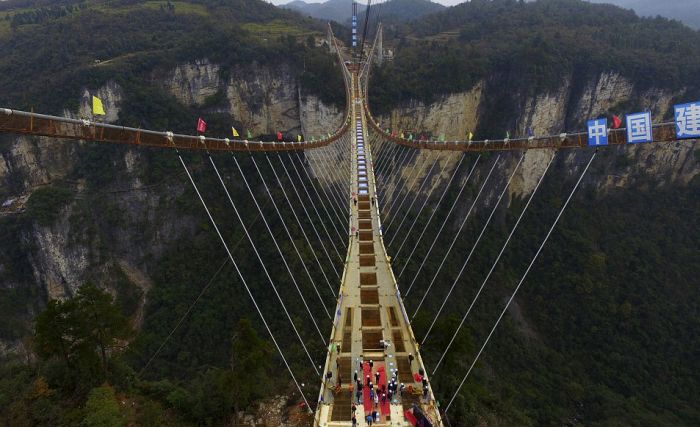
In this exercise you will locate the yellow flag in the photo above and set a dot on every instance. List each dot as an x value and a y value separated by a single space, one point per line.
97 108
471 135
401 135
235 132
298 138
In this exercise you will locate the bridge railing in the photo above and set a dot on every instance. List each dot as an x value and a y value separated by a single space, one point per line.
23 122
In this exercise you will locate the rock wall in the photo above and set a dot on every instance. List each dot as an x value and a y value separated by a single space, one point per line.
81 244
561 110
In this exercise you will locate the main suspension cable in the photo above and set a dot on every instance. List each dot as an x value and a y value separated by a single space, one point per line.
522 279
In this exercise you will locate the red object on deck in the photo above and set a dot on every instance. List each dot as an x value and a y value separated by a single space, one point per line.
366 401
385 407
418 377
410 417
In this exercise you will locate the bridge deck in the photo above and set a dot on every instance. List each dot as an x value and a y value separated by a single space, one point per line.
370 312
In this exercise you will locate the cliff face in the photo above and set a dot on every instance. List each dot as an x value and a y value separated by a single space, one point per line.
118 224
262 99
561 110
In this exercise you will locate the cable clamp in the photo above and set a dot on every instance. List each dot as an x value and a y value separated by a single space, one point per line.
562 136
85 122
203 140
169 137
227 141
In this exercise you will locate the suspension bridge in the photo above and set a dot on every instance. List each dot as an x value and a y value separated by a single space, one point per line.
360 201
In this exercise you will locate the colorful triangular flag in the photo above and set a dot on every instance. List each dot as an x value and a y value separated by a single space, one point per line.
298 138
97 107
201 125
235 132
248 134
617 122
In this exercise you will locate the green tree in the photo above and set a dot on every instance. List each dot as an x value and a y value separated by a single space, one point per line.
252 356
80 329
105 324
102 409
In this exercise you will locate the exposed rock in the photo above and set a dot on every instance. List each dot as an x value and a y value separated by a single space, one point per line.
193 83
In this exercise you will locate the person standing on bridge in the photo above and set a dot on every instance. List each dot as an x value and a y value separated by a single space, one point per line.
371 364
369 419
376 377
355 377
410 358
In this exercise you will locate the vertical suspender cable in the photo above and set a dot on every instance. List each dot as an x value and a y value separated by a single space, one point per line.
522 279
410 189
274 241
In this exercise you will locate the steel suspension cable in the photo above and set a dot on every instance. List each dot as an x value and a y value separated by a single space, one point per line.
413 178
493 267
245 284
342 237
262 263
437 236
522 279
306 212
432 214
289 235
386 174
336 206
301 227
385 164
303 205
415 197
391 183
478 239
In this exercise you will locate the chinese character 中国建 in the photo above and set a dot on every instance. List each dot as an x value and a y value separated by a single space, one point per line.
639 128
598 132
688 120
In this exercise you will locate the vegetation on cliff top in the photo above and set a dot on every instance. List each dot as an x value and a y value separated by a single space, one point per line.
533 46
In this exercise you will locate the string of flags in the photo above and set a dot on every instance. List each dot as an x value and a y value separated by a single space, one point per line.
639 127
202 126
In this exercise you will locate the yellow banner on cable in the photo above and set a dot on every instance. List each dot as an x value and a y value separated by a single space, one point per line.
235 132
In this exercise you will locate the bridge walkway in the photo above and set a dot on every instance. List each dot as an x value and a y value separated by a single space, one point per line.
370 322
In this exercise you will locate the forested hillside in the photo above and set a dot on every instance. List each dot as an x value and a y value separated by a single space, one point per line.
127 221
604 332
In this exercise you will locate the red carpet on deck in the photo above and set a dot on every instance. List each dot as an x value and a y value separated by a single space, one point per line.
367 403
410 417
386 406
